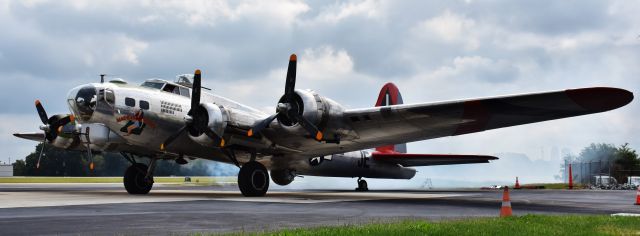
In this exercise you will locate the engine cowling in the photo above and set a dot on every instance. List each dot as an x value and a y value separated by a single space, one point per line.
55 134
312 106
208 116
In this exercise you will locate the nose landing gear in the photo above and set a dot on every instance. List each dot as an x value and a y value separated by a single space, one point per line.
362 185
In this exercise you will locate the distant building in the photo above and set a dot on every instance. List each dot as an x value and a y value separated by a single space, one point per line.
6 170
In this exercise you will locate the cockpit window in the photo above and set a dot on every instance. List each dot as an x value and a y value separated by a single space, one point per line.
185 92
171 88
153 85
85 100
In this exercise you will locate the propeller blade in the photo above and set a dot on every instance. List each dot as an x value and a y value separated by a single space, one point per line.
290 84
41 151
63 121
257 128
171 138
195 90
215 137
312 129
41 112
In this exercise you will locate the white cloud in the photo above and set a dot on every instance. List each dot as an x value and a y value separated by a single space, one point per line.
449 27
130 49
212 12
33 3
325 63
473 69
339 11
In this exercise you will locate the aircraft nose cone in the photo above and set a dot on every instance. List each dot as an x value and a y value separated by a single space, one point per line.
600 99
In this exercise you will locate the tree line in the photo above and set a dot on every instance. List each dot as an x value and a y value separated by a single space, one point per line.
604 159
59 162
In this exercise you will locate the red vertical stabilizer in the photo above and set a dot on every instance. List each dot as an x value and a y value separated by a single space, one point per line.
390 95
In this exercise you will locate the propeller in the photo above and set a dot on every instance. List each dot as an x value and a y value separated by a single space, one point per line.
197 117
289 107
52 126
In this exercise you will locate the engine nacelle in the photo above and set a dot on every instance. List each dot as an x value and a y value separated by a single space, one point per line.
209 116
64 141
315 108
283 177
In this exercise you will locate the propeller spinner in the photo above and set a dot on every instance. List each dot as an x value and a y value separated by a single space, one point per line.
289 108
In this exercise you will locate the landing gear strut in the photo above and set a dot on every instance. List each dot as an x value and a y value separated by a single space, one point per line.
362 185
253 179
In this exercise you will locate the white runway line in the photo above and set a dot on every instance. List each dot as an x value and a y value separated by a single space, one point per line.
70 198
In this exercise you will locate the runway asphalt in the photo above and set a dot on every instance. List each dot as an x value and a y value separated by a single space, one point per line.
106 209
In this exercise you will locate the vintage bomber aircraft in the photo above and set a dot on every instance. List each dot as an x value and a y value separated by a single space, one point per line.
307 135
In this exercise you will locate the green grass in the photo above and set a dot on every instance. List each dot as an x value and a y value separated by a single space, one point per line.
196 180
522 225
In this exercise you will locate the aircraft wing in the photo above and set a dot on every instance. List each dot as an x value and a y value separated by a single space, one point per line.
407 160
387 125
31 136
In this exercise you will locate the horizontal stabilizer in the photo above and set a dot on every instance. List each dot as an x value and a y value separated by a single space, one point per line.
31 136
430 159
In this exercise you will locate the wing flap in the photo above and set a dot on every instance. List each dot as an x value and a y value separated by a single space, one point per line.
431 159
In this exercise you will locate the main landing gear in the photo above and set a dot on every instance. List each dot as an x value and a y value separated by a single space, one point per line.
138 178
362 185
253 179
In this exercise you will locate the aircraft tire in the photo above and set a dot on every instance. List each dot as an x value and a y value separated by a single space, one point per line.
134 181
253 179
362 186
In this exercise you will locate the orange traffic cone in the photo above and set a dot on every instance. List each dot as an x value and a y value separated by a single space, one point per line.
505 211
517 184
638 196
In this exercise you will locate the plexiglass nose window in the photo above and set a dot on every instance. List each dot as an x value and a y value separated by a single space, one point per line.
86 102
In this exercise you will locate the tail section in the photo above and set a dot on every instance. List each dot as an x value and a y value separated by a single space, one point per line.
397 154
390 95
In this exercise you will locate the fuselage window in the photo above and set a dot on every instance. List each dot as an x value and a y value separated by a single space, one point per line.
109 97
130 102
144 105
184 92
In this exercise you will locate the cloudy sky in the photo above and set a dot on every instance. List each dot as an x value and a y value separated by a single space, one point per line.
347 51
